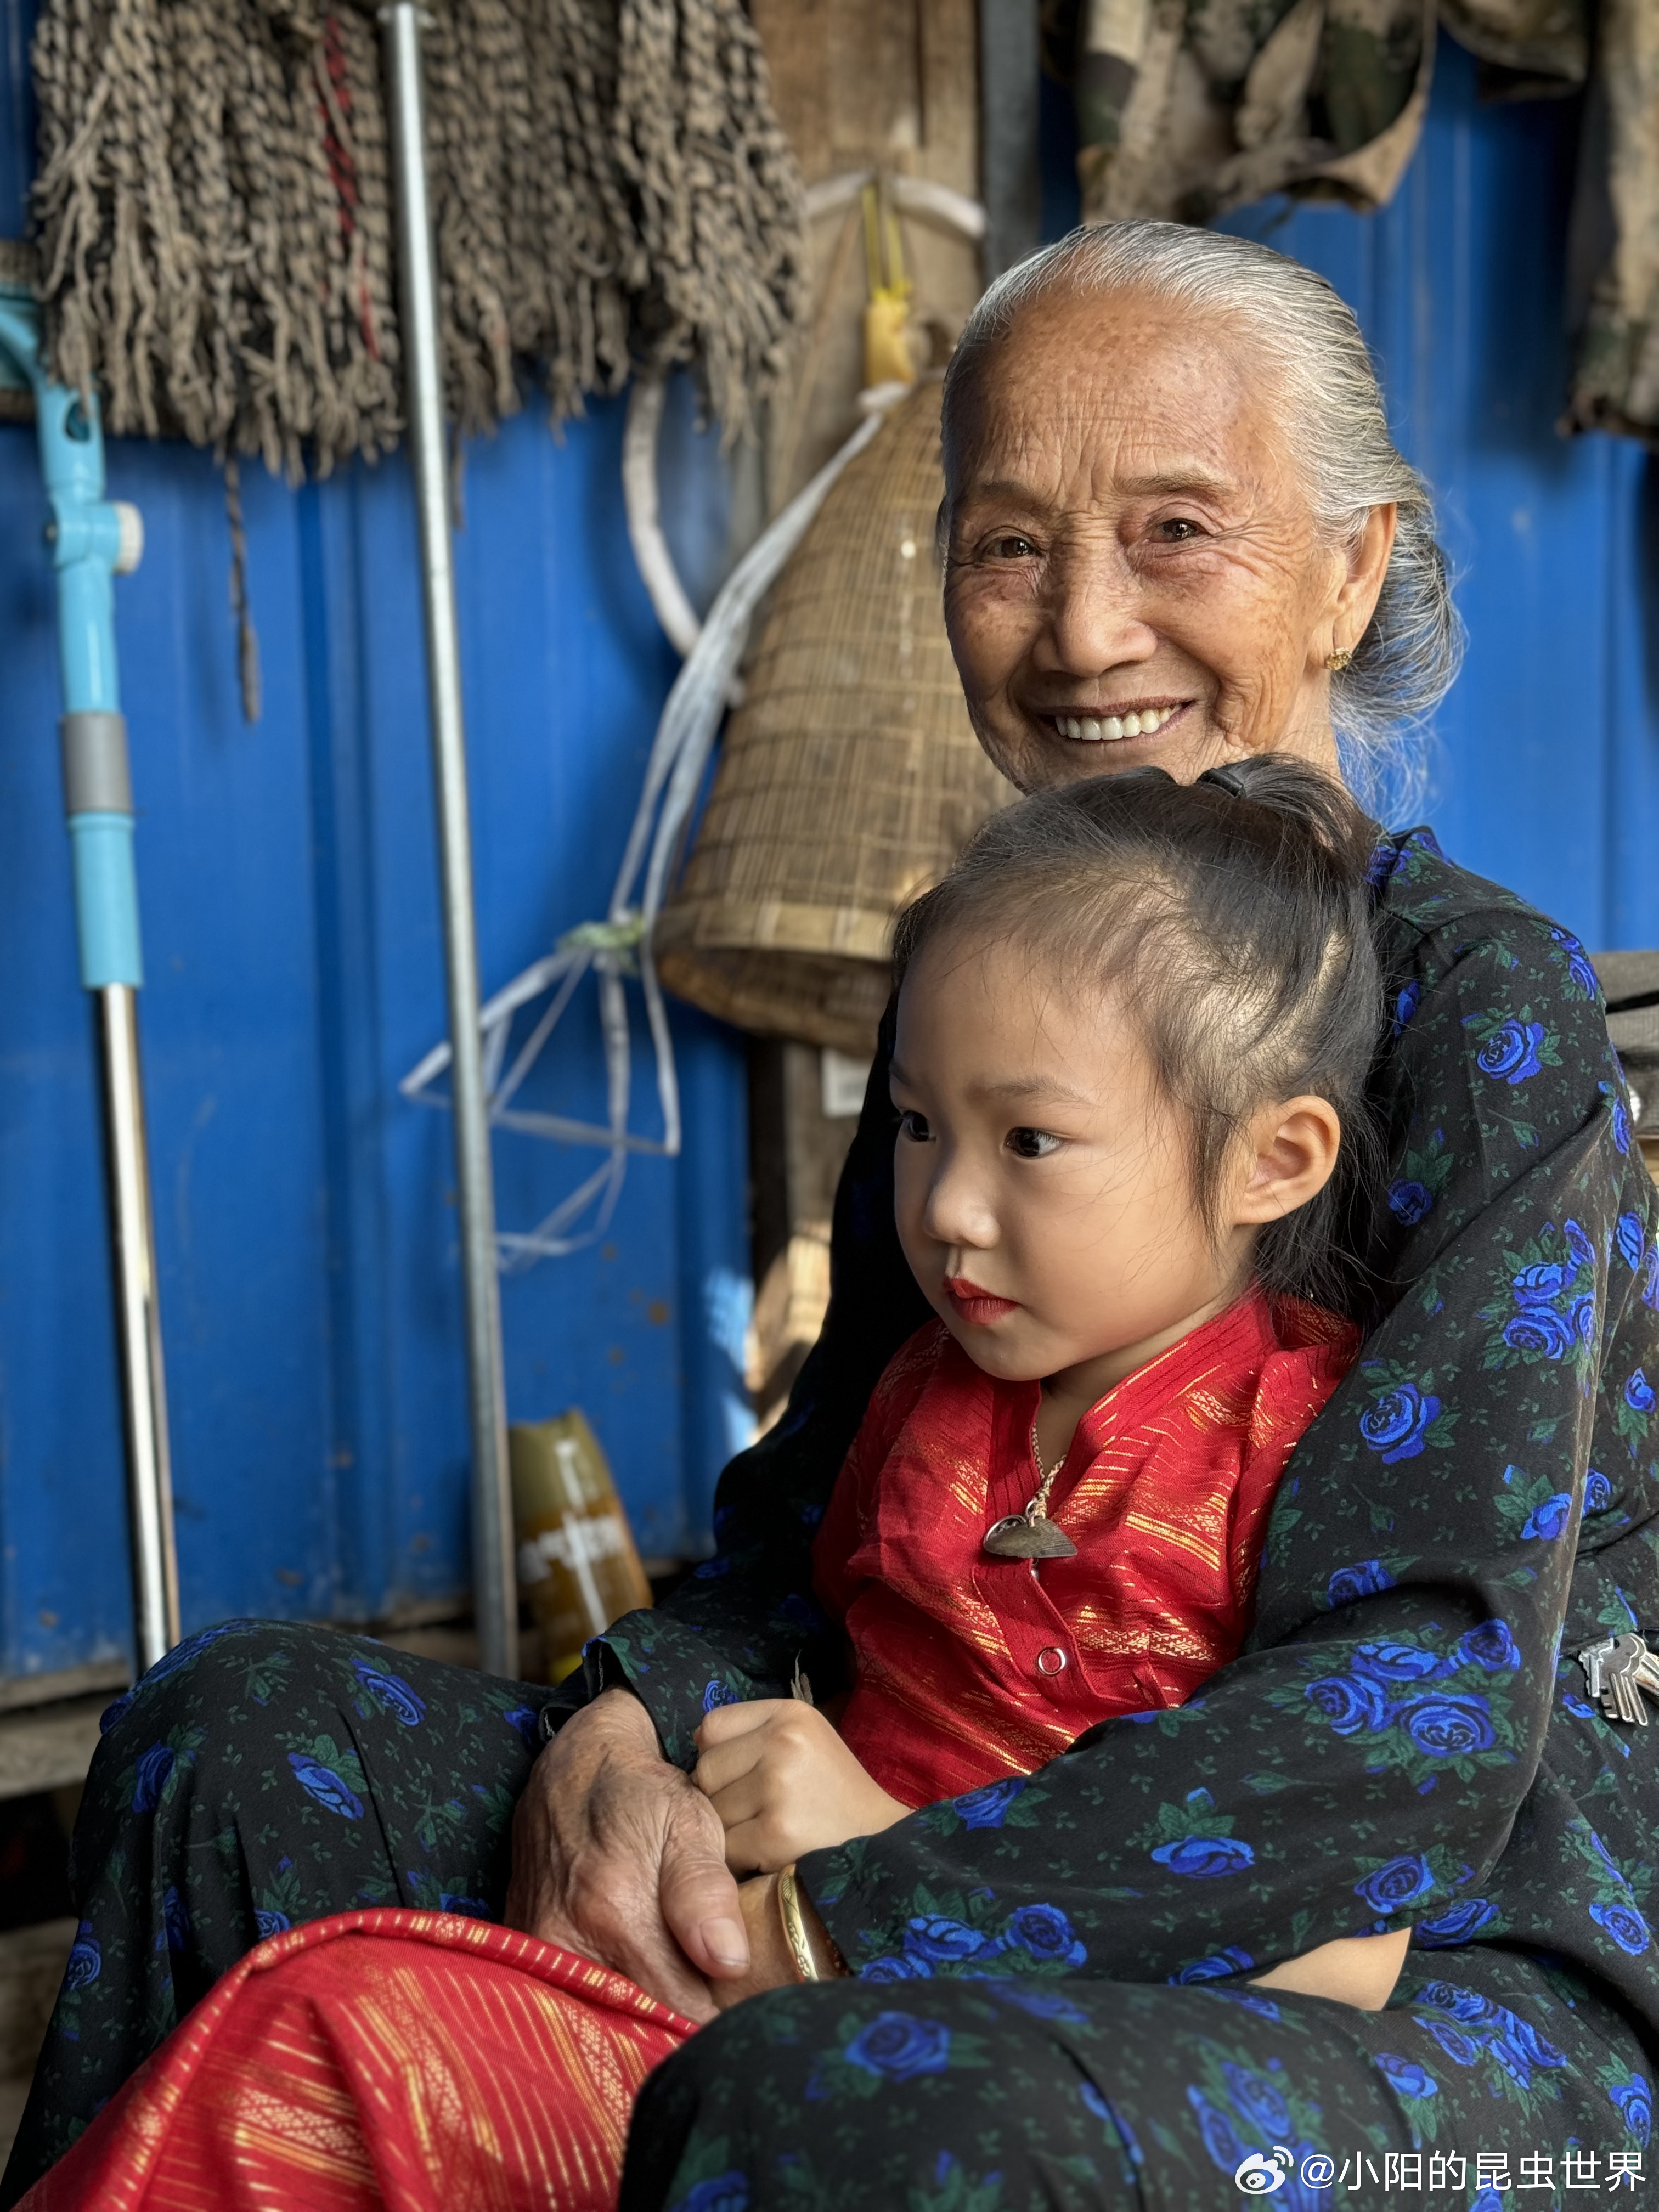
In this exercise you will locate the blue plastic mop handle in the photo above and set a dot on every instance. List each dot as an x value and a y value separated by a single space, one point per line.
87 542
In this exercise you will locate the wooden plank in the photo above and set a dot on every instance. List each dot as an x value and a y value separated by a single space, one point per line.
50 1748
32 1962
871 84
875 88
109 1675
876 83
948 42
14 2095
796 35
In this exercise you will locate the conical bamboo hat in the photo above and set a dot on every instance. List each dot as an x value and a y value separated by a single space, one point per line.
850 776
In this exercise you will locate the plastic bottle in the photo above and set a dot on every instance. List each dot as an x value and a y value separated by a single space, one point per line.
578 1564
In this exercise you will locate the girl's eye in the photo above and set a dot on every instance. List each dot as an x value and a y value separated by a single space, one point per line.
915 1127
1031 1144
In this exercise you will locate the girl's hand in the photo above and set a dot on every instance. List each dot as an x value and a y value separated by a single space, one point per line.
770 1964
784 1783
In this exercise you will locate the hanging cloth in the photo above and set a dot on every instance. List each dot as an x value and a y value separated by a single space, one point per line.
1184 112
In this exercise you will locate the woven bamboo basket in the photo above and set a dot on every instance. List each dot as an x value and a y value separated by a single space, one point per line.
850 776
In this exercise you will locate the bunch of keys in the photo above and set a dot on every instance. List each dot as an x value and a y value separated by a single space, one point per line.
1617 1669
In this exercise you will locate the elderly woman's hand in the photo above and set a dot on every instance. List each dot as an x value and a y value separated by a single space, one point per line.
618 1855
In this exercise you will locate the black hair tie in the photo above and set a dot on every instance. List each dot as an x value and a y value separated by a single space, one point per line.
1228 778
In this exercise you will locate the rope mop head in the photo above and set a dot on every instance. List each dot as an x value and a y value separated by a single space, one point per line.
216 246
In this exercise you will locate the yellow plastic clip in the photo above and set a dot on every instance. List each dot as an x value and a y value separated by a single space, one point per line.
887 357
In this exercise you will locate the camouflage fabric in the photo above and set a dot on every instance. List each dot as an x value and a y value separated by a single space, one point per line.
1187 108
1616 378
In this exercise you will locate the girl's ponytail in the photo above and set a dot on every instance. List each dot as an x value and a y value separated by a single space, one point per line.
1309 803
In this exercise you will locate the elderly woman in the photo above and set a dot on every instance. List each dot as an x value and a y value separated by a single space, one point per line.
1176 533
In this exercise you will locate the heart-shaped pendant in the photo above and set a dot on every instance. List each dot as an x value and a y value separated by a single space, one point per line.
1017 1538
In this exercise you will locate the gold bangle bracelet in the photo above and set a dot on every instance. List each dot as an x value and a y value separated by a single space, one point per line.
794 1927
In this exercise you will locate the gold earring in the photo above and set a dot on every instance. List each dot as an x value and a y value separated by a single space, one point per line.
1338 659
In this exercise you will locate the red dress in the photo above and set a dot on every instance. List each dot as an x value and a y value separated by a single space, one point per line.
970 1668
381 2060
397 2061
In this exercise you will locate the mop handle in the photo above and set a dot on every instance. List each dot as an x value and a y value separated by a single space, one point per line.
92 540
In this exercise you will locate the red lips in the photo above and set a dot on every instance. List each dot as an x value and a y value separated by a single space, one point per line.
974 1304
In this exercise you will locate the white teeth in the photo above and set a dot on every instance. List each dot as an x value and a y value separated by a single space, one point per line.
1110 727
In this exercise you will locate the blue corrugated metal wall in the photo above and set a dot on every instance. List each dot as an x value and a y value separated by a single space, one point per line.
1545 772
309 1276
308 1270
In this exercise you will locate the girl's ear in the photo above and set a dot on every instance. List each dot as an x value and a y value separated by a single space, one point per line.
1289 1155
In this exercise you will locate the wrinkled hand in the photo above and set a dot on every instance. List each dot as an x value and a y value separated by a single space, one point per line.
784 1783
617 1856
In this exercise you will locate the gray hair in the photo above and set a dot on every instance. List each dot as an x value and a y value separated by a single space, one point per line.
1405 663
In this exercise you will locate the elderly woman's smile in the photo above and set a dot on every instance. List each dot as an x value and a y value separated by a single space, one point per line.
1135 571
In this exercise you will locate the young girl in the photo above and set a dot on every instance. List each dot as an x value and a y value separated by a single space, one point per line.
1134 1025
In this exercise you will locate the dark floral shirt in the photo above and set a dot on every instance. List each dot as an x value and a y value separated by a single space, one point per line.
1406 1738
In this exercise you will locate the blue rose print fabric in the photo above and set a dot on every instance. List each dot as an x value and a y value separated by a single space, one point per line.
1052 2003
1486 2083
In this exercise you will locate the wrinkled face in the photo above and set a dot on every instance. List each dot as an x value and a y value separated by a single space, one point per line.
1133 573
1043 1193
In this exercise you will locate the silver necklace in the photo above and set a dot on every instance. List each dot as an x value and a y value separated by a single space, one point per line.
1032 1534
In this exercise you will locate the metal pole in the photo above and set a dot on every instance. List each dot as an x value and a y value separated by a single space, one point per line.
1010 85
155 1562
495 1601
92 542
